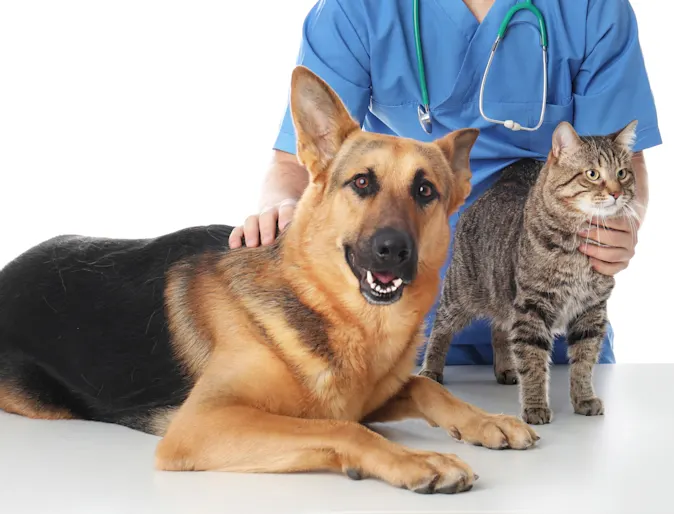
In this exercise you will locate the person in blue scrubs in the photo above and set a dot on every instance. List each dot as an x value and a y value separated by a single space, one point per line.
365 50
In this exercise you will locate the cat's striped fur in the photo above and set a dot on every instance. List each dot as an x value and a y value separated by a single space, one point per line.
516 261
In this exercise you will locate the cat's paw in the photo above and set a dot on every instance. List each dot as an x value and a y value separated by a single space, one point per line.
590 407
537 415
433 375
507 377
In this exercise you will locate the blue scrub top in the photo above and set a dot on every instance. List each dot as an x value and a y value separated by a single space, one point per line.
597 81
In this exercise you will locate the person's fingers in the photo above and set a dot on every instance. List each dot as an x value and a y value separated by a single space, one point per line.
608 268
614 238
606 254
251 231
236 238
268 226
286 212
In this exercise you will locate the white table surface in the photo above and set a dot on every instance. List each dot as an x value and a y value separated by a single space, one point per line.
620 462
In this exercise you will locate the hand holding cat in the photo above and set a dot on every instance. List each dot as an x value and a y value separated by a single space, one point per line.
611 245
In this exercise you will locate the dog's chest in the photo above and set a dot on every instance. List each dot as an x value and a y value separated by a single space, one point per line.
345 391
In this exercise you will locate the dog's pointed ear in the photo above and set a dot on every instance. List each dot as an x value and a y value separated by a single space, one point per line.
321 121
564 139
627 136
456 147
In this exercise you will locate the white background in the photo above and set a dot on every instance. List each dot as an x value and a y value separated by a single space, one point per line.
134 118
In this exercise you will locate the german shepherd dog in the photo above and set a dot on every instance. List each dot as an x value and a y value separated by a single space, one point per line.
266 359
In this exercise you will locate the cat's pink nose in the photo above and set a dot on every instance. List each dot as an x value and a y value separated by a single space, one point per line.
616 194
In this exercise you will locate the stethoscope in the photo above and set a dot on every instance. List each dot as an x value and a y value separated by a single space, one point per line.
424 110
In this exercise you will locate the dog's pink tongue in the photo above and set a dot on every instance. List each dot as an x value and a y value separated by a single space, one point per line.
384 278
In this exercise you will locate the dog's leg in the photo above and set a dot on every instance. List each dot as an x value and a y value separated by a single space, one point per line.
244 439
424 398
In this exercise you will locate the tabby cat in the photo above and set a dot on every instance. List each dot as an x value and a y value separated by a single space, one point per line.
516 261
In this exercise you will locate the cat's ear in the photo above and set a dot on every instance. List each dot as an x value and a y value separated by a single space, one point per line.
321 120
627 136
565 139
456 147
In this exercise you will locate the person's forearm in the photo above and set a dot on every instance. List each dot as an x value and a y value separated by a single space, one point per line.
286 179
641 177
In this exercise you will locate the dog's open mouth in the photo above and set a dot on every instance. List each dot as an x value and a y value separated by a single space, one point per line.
377 287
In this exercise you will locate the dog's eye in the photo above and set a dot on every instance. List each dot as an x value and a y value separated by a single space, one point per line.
425 192
364 184
592 174
361 182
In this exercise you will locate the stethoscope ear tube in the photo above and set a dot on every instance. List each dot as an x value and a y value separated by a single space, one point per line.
424 110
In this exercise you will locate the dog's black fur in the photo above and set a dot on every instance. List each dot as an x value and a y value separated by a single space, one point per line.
118 286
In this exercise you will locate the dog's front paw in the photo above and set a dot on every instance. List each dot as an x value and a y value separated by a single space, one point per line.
419 471
430 473
589 407
497 432
537 415
433 375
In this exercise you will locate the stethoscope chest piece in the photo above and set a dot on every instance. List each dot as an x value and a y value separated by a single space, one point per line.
425 121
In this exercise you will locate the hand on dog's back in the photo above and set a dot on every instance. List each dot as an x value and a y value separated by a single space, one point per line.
284 184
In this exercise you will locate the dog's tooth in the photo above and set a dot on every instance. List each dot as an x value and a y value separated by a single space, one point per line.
370 278
397 282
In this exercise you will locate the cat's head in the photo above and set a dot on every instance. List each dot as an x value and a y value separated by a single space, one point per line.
593 175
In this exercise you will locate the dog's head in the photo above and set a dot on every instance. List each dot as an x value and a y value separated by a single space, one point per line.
376 210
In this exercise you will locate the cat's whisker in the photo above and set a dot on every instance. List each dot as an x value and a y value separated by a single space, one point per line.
633 229
597 225
633 213
633 219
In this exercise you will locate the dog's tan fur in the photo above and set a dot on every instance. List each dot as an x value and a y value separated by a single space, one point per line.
16 401
287 355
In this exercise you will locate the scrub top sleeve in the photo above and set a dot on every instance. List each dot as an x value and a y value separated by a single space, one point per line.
612 88
334 46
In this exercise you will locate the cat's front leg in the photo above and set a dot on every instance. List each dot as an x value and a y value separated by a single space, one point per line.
584 337
531 341
504 362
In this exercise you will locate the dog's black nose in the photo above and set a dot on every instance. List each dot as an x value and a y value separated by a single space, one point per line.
391 247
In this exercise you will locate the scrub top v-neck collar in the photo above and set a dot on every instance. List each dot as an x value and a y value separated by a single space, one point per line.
465 20
480 37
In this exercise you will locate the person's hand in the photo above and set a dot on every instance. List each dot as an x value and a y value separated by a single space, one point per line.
261 228
610 244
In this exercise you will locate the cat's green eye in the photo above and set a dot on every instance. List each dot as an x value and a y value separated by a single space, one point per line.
592 174
622 174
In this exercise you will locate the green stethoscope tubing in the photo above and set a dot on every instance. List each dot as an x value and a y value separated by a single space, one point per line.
424 107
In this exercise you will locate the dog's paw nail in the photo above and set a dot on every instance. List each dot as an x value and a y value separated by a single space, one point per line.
476 476
353 474
454 432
